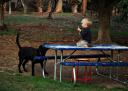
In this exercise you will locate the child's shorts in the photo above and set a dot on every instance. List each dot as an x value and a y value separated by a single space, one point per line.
82 43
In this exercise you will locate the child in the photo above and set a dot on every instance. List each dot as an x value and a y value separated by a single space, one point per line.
85 33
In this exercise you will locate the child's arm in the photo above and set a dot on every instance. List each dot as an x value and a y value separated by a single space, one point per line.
78 29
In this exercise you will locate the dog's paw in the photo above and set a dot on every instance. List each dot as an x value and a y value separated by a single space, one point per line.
20 72
25 70
46 73
33 74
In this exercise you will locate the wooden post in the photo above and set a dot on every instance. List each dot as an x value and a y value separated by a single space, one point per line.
84 6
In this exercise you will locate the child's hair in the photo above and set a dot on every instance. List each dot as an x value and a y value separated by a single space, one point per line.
88 21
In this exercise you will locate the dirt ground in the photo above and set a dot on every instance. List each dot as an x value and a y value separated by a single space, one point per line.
9 61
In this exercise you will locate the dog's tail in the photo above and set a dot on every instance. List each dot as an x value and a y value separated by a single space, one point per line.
17 41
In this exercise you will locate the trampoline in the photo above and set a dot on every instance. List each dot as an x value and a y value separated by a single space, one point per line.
98 47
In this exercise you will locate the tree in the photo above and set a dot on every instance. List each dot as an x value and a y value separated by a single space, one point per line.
49 6
10 11
23 4
2 2
59 6
74 6
52 6
123 9
39 4
104 9
84 6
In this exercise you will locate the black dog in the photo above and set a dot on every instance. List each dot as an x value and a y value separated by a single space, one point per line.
28 53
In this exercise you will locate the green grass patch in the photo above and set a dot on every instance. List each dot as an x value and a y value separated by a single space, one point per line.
17 82
18 19
8 32
64 21
119 34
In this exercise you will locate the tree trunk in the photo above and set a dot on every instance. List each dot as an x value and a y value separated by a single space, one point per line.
24 6
2 25
104 25
84 6
52 6
49 6
59 6
74 9
39 4
40 10
2 14
10 9
74 6
49 10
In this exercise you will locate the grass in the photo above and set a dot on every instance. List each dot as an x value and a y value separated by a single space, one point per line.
22 20
16 82
8 32
64 21
119 34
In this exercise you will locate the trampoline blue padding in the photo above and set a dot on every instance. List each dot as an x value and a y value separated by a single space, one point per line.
94 63
94 47
39 58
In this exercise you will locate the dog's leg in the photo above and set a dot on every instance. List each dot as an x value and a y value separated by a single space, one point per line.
33 68
19 66
24 63
42 66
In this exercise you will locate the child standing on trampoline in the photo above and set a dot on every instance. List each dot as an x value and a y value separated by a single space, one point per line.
85 33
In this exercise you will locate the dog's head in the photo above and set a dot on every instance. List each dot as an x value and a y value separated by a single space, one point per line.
42 50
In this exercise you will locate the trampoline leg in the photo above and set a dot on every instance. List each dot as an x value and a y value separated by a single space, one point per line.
74 74
43 73
55 65
60 73
61 66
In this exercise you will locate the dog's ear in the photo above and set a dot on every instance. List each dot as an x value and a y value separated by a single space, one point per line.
43 47
42 50
40 47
